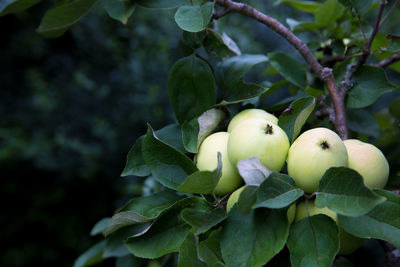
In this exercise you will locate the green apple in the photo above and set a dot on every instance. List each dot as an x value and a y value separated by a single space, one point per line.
234 197
259 138
206 160
348 243
311 154
249 114
368 161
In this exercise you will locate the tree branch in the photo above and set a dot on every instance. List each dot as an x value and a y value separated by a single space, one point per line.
325 74
388 61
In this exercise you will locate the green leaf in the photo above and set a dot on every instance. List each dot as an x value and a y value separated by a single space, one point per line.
289 68
306 6
253 239
361 6
191 88
362 121
92 256
193 39
383 222
299 26
58 20
278 191
253 171
169 166
160 3
202 182
142 209
167 232
369 84
220 45
196 130
242 91
343 191
194 18
210 251
313 241
394 108
231 70
188 253
247 198
119 10
129 260
295 116
203 219
100 226
15 6
329 12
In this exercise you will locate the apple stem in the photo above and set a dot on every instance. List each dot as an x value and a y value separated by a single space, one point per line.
269 129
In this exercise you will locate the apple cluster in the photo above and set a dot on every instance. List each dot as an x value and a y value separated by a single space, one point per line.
256 133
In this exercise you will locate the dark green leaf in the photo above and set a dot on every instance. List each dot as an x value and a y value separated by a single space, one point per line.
194 18
306 6
188 253
160 3
57 20
369 84
193 39
289 68
92 256
196 130
203 219
191 88
100 226
253 171
210 251
278 191
119 10
129 260
329 12
15 6
231 70
343 191
253 239
167 232
313 241
242 91
362 121
247 198
295 116
394 108
202 182
220 46
383 222
361 6
169 166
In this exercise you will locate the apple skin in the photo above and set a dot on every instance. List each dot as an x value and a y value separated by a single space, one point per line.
368 161
348 243
206 160
249 114
311 154
259 138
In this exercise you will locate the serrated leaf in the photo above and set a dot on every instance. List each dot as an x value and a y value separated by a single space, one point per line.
91 256
289 68
220 46
253 239
167 232
203 219
342 190
100 226
253 171
119 10
231 70
58 20
242 91
168 165
202 182
196 130
313 241
278 191
210 251
160 3
362 121
188 253
15 6
369 84
295 116
194 18
329 12
306 6
191 88
383 222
